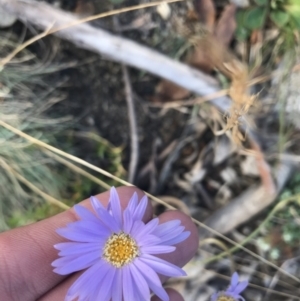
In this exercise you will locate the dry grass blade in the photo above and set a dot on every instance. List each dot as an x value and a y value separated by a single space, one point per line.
77 169
134 151
103 172
276 209
188 103
44 195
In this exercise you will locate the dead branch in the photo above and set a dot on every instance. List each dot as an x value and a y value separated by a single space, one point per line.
134 154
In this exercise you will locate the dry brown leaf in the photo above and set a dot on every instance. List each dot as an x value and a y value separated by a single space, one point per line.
209 54
180 205
167 91
241 100
84 8
263 168
226 25
207 13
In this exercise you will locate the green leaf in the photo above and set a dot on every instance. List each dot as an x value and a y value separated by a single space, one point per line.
262 2
294 2
116 1
242 33
293 8
240 17
295 22
279 17
255 17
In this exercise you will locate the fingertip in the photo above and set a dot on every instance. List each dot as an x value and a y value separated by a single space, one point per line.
186 249
173 295
125 193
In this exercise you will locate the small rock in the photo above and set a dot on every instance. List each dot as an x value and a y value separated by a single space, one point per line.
6 19
241 3
228 175
249 166
164 10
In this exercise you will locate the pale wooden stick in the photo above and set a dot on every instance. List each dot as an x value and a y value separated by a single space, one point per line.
134 151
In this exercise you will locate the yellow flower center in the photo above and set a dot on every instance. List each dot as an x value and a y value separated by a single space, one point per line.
225 298
120 249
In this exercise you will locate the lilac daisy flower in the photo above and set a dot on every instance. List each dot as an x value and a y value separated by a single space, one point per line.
233 291
118 250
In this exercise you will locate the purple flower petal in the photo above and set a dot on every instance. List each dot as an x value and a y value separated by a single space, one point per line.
234 280
147 229
85 214
158 249
89 227
96 204
136 227
162 267
132 205
128 291
128 221
117 289
140 282
73 264
141 209
166 228
77 236
214 297
86 281
108 220
152 280
116 206
149 240
240 287
183 236
73 248
233 290
105 291
171 235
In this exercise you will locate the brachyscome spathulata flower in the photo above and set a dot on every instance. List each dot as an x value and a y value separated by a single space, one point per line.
118 250
233 292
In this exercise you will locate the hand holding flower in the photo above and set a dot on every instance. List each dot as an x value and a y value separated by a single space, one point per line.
26 253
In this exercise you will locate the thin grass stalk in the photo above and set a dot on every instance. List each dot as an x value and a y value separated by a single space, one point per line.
77 169
277 208
35 189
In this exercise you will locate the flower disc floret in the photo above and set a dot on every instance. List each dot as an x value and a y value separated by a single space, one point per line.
120 249
225 298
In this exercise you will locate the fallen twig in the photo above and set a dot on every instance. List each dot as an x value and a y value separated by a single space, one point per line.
134 154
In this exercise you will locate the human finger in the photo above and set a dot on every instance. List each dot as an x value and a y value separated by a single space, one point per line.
186 249
26 253
173 295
